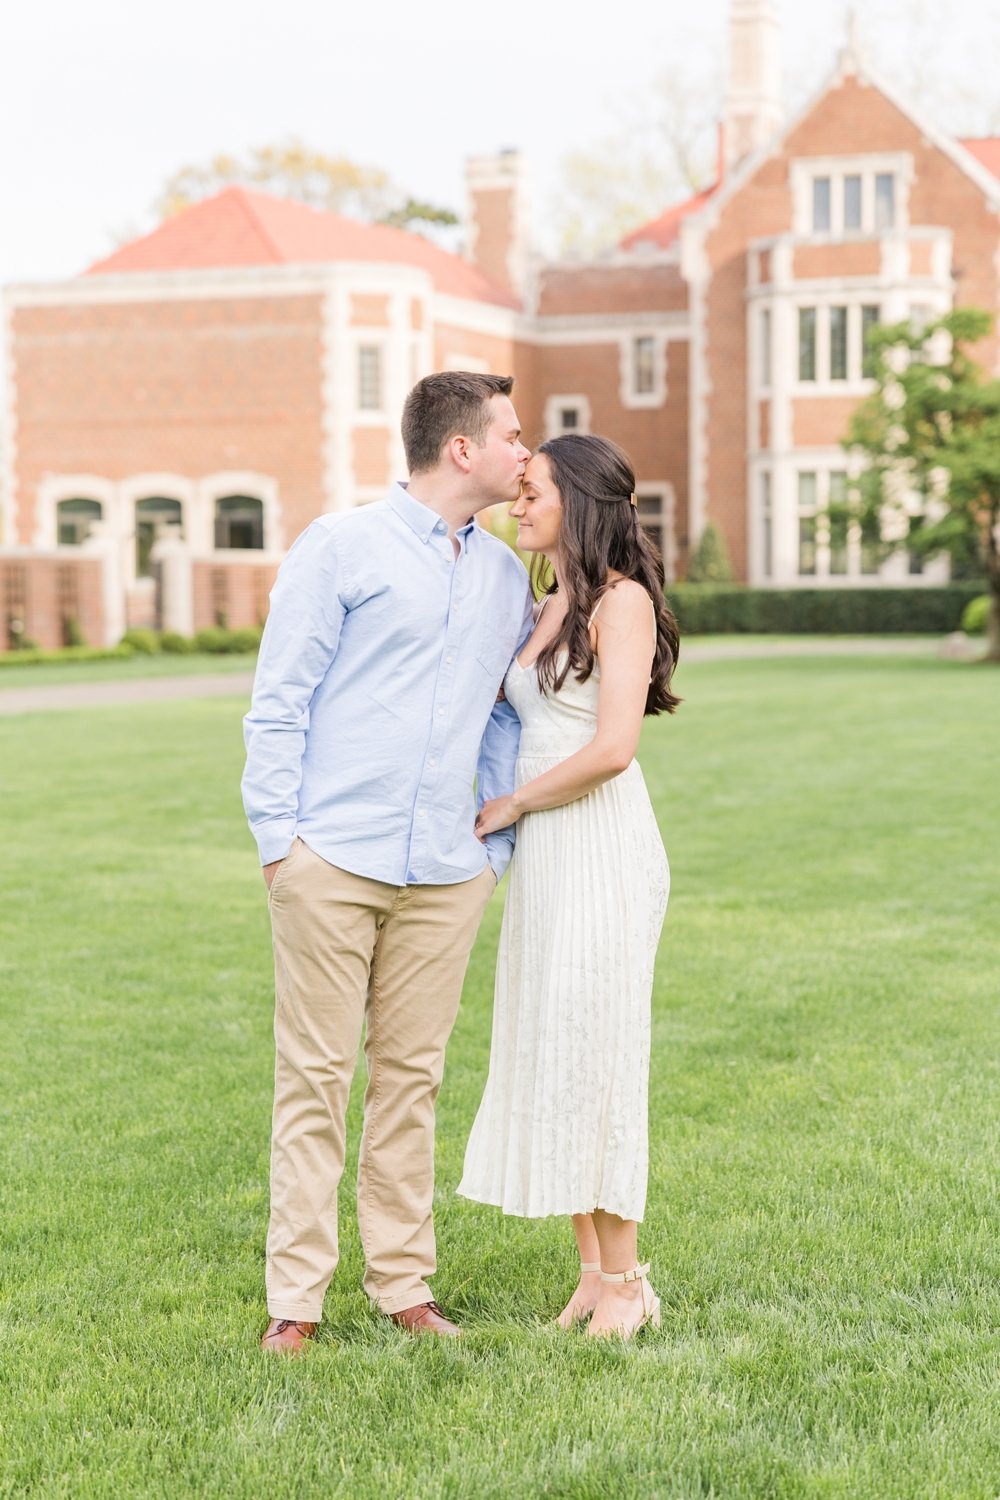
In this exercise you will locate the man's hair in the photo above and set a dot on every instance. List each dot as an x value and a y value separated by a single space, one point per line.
450 404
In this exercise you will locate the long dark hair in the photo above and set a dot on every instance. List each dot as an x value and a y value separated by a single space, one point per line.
600 533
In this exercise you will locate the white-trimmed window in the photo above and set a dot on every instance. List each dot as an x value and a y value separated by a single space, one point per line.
807 343
764 329
838 524
643 370
152 514
807 496
836 196
655 507
832 544
239 522
644 365
76 519
831 342
369 377
766 526
567 414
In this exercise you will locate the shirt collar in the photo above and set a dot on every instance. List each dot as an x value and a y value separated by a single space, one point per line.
422 521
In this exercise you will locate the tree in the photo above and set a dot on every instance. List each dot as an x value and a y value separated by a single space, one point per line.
709 562
664 149
930 434
293 170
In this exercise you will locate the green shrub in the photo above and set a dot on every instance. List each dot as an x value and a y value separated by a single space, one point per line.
145 642
175 644
247 639
709 561
220 642
975 614
65 653
719 609
72 633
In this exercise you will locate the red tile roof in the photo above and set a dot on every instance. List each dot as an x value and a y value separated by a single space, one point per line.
986 150
242 228
663 232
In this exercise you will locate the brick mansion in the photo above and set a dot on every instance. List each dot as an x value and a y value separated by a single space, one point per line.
179 413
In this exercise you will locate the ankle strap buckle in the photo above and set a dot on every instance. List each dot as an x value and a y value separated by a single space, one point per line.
636 1274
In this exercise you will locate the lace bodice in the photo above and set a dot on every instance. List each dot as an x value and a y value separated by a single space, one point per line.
553 723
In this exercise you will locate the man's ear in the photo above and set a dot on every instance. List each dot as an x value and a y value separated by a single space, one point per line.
458 452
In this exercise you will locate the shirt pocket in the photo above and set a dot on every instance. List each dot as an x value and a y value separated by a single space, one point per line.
495 643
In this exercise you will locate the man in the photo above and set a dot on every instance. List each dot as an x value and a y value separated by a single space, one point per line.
374 711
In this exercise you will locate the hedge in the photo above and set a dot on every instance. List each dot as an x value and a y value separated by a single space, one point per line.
65 653
726 609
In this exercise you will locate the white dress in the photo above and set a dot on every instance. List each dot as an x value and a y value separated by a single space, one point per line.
562 1127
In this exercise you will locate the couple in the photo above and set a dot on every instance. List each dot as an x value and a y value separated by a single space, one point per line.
403 660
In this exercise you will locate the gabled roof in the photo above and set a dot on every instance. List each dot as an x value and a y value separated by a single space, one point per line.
664 231
985 149
239 227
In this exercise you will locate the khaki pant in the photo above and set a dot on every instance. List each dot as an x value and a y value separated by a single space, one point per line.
348 949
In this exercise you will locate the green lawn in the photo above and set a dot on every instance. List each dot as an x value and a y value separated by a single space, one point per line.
48 674
823 1214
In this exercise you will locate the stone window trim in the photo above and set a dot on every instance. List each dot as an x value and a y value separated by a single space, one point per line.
804 172
660 493
628 346
826 382
53 490
558 406
197 499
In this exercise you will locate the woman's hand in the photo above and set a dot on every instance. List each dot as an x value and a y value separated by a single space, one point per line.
500 813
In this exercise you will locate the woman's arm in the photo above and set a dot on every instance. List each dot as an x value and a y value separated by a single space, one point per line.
624 650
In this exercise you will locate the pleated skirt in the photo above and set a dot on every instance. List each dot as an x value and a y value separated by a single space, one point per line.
562 1127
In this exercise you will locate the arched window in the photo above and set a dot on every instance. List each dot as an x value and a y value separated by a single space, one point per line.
75 520
150 514
239 522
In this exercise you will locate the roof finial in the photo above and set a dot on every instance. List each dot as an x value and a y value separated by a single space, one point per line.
851 55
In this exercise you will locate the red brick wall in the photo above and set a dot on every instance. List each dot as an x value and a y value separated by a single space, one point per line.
852 258
236 591
369 309
493 209
186 387
370 455
851 118
44 592
611 289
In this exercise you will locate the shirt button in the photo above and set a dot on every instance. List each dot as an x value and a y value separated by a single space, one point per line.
440 713
421 813
432 761
448 660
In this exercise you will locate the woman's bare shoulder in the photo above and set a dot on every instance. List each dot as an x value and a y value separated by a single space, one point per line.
624 601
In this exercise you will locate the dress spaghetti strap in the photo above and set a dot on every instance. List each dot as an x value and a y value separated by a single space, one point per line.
593 613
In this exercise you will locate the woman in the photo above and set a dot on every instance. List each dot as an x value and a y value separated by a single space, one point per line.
562 1125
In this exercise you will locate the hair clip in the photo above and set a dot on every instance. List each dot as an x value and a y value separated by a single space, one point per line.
633 500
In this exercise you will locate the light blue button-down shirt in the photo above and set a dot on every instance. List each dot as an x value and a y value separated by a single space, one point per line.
374 705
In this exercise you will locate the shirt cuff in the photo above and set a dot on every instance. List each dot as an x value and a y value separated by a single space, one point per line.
499 851
274 839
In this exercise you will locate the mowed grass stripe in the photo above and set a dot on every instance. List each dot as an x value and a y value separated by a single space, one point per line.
823 1204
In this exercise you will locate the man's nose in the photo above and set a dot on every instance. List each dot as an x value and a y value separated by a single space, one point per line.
524 454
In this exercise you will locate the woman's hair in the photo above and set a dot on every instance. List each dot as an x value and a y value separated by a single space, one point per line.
599 534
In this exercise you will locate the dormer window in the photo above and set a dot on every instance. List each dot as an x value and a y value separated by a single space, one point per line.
850 195
821 205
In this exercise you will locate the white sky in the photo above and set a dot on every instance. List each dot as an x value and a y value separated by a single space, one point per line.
102 100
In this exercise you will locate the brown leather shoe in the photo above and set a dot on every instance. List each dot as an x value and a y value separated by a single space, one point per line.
284 1336
426 1317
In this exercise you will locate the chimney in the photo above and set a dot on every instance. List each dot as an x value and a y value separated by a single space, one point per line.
497 231
753 110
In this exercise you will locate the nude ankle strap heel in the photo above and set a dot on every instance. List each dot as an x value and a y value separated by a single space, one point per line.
589 1265
650 1312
